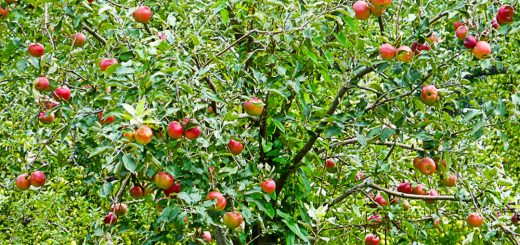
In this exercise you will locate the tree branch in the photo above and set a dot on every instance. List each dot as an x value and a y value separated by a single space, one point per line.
438 17
95 34
381 25
488 72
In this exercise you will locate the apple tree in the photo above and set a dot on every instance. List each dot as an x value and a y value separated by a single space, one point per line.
259 122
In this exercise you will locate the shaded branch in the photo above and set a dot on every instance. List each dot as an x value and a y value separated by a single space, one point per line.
488 72
438 17
94 33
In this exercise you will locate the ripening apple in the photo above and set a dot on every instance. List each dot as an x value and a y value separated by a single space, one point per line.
432 193
137 192
3 12
106 120
143 135
46 118
110 218
418 47
374 219
119 208
90 1
359 175
429 95
404 187
330 165
380 200
175 188
362 10
164 180
221 200
404 54
50 104
142 14
129 135
427 166
387 51
475 220
22 182
416 162
406 205
505 14
254 107
78 39
36 50
268 186
41 84
235 147
381 4
375 11
371 240
175 130
482 50
419 189
461 32
61 93
456 25
450 181
206 236
192 133
232 219
470 42
105 63
37 178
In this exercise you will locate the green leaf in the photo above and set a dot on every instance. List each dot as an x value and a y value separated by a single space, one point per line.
129 162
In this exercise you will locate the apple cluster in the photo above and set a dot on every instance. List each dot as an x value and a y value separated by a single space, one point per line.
24 181
480 49
364 10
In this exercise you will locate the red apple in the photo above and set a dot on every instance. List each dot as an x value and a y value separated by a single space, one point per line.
36 50
450 181
505 14
429 95
371 240
380 200
427 166
359 175
475 219
105 63
362 10
461 32
41 84
37 178
432 193
482 50
62 93
221 200
119 208
254 107
456 25
192 133
175 188
164 180
470 42
235 147
419 189
495 24
387 51
417 47
137 192
78 39
515 218
404 54
232 219
50 104
110 218
3 12
142 14
268 186
90 1
144 135
175 130
206 236
404 187
374 219
46 118
106 120
22 182
129 136
406 205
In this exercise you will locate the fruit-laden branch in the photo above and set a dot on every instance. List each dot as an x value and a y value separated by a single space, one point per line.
511 234
95 34
354 140
296 161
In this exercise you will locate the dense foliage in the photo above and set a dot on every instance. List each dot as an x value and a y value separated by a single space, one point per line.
326 94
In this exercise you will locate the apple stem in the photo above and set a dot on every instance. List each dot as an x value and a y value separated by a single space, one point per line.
147 29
